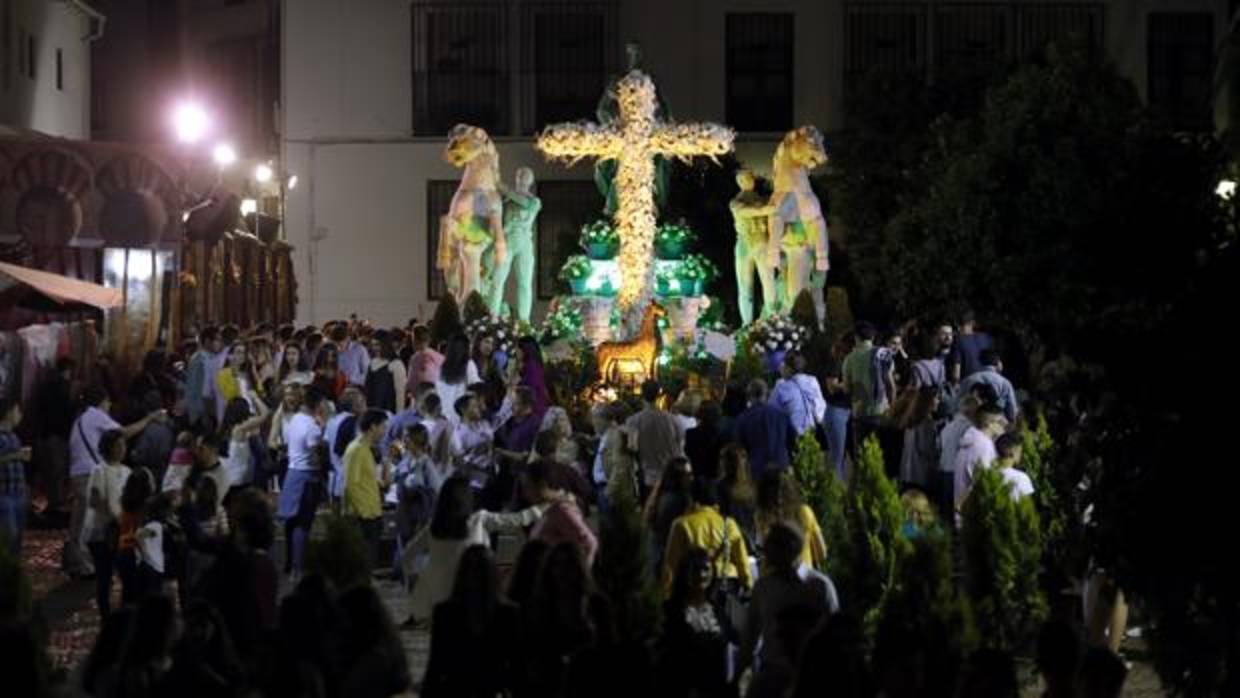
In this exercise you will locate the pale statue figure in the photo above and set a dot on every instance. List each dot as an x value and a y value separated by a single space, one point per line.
521 208
797 226
750 213
472 228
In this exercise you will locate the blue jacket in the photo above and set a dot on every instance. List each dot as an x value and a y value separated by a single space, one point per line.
766 434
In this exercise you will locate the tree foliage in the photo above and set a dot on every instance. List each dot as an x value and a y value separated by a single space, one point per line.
624 571
1050 209
826 495
1003 558
875 543
927 627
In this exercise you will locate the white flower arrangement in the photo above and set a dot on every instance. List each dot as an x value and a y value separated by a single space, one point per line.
498 329
776 333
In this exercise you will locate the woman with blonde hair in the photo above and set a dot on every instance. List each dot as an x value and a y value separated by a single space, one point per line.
780 500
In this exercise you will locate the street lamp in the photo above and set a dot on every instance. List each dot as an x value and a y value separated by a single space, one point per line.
224 155
190 122
292 182
262 173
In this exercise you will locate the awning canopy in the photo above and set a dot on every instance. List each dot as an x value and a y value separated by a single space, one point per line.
63 290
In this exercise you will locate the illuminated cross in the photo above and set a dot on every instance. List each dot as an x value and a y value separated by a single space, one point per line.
633 142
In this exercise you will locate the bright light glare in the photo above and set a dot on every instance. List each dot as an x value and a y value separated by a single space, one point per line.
262 173
292 182
1226 188
224 155
189 120
248 206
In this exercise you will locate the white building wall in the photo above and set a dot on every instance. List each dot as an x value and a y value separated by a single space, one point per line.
358 216
38 103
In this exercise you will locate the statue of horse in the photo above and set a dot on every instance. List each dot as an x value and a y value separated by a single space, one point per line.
797 226
472 230
643 349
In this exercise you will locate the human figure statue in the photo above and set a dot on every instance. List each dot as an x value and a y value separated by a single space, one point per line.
473 225
608 114
797 226
521 208
750 212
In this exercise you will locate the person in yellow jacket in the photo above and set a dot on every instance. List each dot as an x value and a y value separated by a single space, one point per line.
702 526
364 481
780 500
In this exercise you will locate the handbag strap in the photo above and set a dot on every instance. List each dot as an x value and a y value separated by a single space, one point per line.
85 441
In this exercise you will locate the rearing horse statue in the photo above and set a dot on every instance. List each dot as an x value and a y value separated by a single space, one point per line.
473 225
797 226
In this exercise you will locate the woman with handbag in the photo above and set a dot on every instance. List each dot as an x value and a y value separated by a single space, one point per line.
100 528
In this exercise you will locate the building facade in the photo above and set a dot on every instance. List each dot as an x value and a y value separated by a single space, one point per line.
45 66
370 87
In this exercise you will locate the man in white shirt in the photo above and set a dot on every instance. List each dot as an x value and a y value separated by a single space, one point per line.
977 450
1008 448
84 455
303 484
798 394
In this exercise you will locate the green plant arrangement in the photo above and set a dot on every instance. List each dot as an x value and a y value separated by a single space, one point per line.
446 322
667 282
695 272
1002 544
341 555
625 571
672 239
875 544
564 322
747 365
576 271
599 239
824 493
1052 496
926 620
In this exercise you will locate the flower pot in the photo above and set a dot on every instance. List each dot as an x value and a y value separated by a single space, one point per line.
601 251
690 287
666 287
669 250
579 286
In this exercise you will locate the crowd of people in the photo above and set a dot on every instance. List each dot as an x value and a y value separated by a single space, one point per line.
177 489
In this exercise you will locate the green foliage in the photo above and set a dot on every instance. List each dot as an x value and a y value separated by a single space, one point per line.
624 571
446 321
475 308
564 322
747 365
697 266
1052 495
674 234
1058 182
599 232
876 545
1002 542
341 555
825 494
926 622
577 267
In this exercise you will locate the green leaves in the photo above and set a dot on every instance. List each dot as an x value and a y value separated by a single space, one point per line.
1002 542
